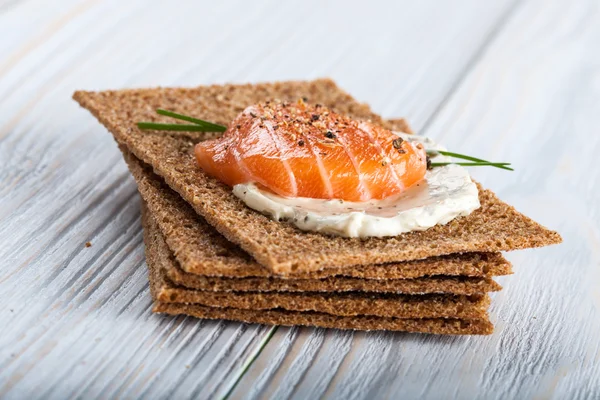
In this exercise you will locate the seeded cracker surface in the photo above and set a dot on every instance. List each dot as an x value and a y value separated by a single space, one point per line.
496 226
189 232
236 308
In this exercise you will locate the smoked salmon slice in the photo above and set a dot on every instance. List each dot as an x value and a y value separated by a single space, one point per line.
301 150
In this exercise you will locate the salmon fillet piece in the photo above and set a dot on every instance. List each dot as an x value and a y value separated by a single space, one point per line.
301 150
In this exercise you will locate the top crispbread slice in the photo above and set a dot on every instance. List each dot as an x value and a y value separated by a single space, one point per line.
496 226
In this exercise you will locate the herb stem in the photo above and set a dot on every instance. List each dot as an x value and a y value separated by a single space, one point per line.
175 127
217 127
474 164
466 157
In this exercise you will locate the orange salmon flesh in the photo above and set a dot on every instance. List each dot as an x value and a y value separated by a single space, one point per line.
299 150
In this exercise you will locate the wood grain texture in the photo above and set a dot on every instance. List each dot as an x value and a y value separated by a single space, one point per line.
513 78
533 87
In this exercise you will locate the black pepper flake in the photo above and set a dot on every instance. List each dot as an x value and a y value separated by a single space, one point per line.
380 208
306 218
330 135
238 126
300 142
384 163
314 117
428 162
253 115
305 99
398 143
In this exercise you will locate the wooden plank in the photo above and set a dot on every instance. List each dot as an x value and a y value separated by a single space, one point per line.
77 320
532 99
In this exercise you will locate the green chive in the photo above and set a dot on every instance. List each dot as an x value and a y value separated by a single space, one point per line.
465 157
474 164
216 127
174 127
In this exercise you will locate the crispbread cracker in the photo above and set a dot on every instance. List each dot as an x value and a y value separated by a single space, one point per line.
440 326
435 284
343 304
202 252
444 326
281 247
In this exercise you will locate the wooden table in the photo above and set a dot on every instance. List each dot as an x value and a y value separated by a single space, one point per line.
505 80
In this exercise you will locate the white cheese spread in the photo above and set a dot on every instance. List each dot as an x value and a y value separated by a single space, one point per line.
446 193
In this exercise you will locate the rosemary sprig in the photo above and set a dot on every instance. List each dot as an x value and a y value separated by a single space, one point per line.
477 161
198 124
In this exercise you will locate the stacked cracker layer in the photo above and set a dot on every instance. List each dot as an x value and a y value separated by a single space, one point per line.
210 256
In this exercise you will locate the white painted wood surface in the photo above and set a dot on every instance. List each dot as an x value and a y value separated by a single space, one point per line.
517 81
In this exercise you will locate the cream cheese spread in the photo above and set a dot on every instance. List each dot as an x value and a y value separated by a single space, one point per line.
446 193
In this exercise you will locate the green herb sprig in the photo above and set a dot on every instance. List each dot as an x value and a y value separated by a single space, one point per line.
198 125
475 162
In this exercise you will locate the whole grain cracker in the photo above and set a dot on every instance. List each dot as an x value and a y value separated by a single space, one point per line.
496 226
441 326
436 284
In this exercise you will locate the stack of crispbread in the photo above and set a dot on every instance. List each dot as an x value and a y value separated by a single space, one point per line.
210 256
